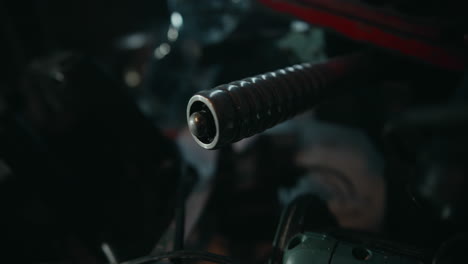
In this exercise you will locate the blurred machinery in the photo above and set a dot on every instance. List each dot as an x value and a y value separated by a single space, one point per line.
353 159
240 109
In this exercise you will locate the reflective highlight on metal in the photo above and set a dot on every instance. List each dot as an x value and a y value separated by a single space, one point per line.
309 247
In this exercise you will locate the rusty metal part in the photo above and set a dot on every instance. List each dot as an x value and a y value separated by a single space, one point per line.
240 109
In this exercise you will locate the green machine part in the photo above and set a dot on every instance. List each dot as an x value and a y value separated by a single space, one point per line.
317 248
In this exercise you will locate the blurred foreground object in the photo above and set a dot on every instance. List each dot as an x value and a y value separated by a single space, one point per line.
90 172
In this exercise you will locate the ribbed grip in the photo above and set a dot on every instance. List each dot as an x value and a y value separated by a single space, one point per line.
243 108
268 99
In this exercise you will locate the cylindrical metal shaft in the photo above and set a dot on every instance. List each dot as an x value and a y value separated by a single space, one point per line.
233 111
